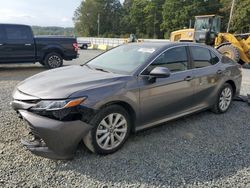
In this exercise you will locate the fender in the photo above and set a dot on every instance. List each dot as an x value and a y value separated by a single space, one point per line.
48 49
223 44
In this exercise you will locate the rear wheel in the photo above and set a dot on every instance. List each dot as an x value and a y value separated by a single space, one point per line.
111 128
231 52
53 60
41 62
85 47
224 99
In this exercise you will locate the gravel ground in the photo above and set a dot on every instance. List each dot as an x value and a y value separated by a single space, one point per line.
202 150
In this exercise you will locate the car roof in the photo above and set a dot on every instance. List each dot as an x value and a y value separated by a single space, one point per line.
10 24
161 45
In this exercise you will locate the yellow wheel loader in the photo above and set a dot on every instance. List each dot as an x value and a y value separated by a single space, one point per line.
207 30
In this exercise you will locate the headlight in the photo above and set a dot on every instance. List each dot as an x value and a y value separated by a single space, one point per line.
50 105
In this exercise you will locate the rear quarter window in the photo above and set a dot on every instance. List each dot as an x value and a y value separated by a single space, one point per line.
227 60
214 58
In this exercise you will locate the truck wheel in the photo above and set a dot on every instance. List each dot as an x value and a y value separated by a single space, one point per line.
231 52
85 47
111 128
53 60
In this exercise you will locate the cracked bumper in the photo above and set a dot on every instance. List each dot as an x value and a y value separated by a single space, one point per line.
61 138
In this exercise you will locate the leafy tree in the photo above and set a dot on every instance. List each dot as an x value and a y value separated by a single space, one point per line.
137 16
143 17
154 18
126 25
86 17
37 30
225 12
177 14
241 17
112 12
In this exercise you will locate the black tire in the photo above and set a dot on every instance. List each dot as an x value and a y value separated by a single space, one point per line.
42 63
217 106
85 47
53 60
90 140
230 51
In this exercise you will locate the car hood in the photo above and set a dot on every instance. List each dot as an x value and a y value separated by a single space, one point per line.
62 82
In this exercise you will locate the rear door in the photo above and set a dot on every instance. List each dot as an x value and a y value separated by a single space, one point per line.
19 46
207 74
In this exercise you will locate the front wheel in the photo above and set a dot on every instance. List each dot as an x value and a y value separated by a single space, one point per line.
230 51
53 60
224 99
111 128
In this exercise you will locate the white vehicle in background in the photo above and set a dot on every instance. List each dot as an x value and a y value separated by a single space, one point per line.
84 44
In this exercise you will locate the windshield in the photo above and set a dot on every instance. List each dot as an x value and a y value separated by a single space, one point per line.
202 24
216 25
124 59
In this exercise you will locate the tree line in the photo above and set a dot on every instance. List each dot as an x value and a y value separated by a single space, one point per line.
68 31
154 18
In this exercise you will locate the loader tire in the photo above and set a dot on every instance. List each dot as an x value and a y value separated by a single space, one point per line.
231 52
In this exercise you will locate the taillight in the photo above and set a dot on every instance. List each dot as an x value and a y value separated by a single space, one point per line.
75 45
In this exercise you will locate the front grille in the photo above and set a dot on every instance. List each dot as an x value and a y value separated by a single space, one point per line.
32 129
34 132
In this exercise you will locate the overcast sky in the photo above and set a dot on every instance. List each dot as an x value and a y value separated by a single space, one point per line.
38 12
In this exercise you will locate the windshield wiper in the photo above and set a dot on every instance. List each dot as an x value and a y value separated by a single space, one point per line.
100 69
88 66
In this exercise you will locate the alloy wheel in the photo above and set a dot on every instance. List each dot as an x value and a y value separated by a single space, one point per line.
225 99
111 131
54 61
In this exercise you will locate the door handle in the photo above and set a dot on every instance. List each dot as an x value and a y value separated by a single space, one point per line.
27 44
219 72
188 78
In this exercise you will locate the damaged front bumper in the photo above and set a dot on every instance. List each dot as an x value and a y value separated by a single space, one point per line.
57 139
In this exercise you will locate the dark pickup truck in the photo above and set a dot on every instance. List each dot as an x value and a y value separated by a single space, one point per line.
18 45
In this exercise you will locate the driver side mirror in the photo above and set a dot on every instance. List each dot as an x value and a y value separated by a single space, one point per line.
160 72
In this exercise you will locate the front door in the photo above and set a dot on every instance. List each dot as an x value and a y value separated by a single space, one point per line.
19 46
166 97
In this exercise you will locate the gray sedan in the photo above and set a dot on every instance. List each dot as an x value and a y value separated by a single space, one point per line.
127 89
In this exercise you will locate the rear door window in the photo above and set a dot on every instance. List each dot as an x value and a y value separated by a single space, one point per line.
203 57
20 33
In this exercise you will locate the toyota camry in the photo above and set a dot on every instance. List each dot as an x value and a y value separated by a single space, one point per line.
124 90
